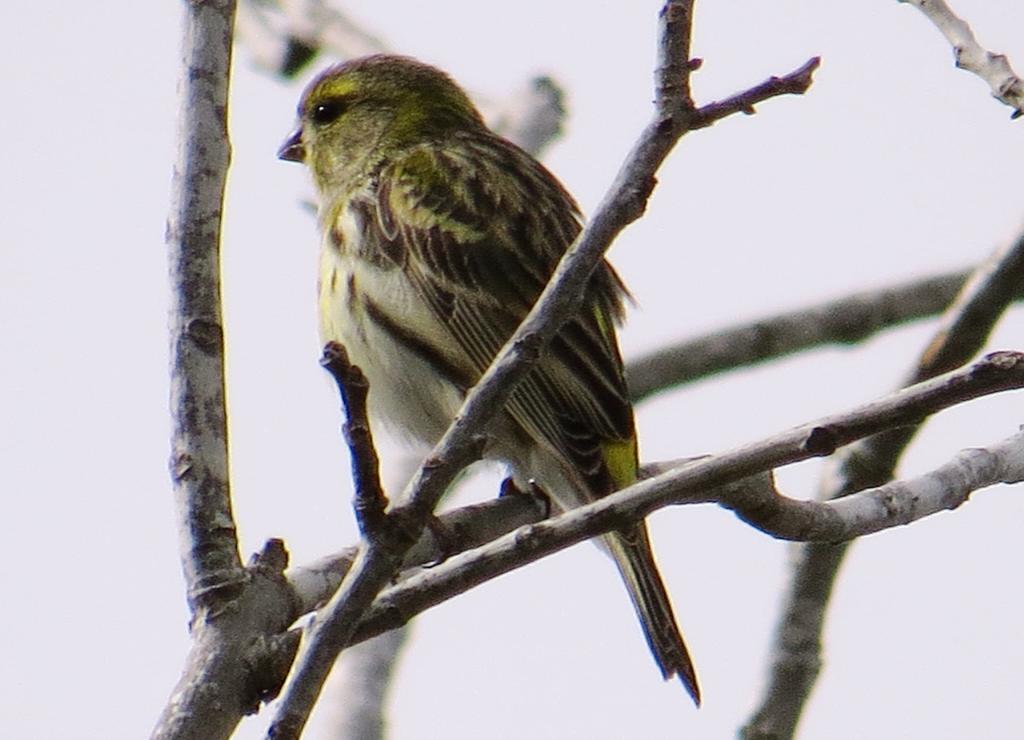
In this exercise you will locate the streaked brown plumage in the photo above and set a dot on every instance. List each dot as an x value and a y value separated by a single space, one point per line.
438 237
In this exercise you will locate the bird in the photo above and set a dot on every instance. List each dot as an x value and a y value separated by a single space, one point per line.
438 235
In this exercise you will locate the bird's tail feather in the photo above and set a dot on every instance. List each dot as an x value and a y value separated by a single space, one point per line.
635 560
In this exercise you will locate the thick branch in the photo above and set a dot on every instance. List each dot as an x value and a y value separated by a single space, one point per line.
231 663
376 564
199 458
994 69
796 657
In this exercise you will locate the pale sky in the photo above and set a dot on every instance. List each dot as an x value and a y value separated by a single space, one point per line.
894 165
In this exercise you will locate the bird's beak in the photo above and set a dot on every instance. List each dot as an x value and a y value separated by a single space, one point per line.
292 150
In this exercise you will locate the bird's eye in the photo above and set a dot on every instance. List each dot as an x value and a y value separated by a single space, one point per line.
328 111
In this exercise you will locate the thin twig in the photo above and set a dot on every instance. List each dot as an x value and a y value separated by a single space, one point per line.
376 562
369 501
796 651
847 320
994 69
795 83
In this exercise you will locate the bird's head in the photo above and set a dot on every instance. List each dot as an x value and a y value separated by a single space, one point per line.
356 115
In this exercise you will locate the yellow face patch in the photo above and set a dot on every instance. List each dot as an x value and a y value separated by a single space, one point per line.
329 88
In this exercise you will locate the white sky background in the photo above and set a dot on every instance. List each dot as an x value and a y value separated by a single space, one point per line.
894 165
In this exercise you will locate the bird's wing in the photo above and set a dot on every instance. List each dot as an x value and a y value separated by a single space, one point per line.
479 227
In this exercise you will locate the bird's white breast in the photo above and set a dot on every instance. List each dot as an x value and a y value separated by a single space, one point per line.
405 390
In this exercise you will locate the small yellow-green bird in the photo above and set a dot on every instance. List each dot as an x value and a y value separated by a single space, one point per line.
438 236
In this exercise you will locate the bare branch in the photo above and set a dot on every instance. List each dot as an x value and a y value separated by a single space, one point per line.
284 35
736 480
312 585
236 611
795 83
894 504
360 681
469 527
242 658
966 326
377 562
369 501
233 661
848 320
199 458
532 118
796 657
994 69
